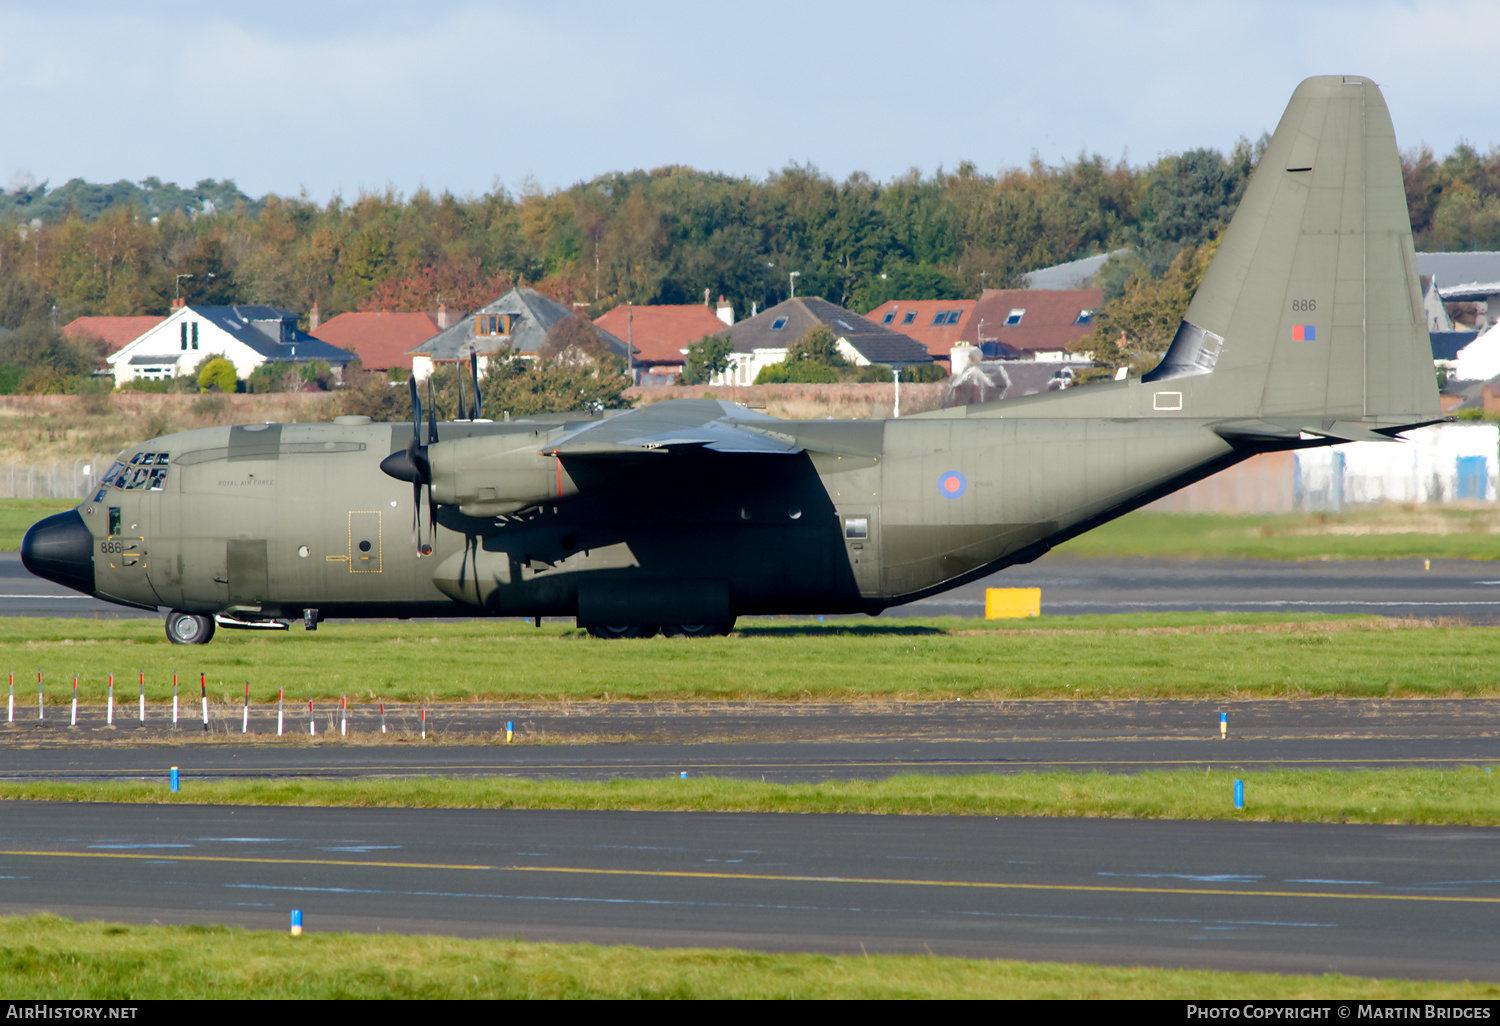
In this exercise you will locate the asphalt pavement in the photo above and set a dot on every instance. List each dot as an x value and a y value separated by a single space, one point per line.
1368 900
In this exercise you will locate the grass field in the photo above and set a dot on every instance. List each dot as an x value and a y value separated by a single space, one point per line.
17 515
1387 532
1460 797
47 957
1185 655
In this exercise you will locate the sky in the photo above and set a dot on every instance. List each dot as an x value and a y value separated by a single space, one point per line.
337 98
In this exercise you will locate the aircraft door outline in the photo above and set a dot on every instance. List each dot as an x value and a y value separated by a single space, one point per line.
365 552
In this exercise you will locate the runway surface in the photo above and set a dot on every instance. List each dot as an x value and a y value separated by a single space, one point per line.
778 742
1383 901
1455 589
1388 901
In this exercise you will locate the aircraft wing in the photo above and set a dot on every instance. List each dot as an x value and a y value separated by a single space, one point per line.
701 423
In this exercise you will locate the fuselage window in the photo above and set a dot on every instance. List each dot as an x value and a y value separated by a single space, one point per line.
857 527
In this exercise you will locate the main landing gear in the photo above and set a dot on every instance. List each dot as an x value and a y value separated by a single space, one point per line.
671 630
189 628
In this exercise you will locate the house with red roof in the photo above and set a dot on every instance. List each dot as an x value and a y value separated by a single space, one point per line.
1037 323
382 340
117 332
936 323
661 333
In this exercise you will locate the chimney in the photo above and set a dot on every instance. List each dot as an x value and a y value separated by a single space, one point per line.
314 318
442 316
178 303
961 356
725 311
705 297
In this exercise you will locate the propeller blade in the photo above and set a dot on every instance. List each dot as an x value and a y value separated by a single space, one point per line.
432 435
416 516
474 373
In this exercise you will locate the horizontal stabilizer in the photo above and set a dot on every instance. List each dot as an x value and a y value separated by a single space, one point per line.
1279 433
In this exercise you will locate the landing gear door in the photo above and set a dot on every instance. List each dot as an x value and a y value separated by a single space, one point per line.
861 529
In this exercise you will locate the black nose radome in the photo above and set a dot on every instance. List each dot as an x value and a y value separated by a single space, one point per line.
60 548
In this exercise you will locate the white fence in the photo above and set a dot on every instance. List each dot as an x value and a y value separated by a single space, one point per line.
1440 464
1435 465
65 479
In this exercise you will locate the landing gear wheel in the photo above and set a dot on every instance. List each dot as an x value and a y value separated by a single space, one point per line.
697 630
189 628
623 632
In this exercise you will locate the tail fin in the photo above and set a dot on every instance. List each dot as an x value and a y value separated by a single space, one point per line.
1311 309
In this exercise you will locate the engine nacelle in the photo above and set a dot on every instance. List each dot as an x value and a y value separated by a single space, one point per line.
481 481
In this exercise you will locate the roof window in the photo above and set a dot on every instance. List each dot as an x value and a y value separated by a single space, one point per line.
911 315
1084 317
888 318
495 324
953 316
1015 317
778 324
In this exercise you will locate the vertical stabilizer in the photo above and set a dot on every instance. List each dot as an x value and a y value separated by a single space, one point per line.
1311 307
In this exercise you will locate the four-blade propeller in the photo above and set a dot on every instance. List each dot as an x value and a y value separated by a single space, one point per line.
411 464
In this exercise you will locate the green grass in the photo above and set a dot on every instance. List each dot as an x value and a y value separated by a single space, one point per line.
1466 796
17 516
1190 655
1395 532
44 956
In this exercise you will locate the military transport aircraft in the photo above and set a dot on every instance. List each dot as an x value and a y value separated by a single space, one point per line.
678 517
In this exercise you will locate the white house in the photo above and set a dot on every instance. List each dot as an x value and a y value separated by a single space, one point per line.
246 336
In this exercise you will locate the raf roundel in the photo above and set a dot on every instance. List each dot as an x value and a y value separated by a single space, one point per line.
952 484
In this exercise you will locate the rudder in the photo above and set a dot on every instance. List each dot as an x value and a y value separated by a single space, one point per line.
1311 309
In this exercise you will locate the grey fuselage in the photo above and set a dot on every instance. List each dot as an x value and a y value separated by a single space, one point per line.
266 521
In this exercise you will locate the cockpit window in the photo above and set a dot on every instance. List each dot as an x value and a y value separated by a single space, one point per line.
146 471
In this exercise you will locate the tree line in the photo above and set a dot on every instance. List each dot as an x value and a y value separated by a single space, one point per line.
670 235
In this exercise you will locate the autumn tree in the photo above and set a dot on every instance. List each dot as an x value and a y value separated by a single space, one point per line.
520 387
574 340
1136 329
707 357
816 345
217 375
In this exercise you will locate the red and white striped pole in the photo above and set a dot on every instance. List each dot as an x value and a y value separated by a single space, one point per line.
280 709
143 696
10 710
312 722
174 701
424 723
74 721
344 717
203 685
382 717
109 717
245 725
39 713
